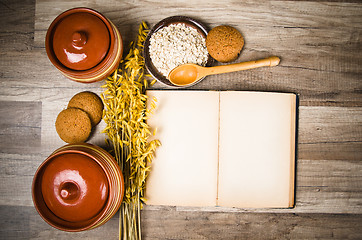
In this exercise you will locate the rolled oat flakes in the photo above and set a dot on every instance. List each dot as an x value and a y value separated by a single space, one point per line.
175 45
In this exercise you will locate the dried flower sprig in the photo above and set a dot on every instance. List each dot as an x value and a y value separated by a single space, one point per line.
128 133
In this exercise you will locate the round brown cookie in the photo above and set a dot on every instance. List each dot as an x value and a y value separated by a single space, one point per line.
73 125
90 103
224 43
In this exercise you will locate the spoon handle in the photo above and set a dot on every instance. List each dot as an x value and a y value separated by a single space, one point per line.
267 62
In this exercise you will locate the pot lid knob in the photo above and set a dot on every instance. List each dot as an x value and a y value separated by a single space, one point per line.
79 39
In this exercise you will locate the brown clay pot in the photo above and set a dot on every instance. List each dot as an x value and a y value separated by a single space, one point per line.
84 45
78 187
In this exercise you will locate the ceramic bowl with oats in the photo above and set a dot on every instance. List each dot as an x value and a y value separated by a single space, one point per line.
172 42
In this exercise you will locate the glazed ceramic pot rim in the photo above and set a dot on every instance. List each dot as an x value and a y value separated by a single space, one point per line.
115 48
106 213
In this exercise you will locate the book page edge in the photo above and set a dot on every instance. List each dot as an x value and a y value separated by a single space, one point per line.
293 151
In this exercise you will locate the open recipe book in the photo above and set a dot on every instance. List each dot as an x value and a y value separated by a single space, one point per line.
229 148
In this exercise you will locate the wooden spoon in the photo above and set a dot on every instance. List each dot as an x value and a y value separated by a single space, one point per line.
189 73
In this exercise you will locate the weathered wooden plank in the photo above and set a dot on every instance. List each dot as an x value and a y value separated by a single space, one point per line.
17 24
186 225
320 52
330 186
21 78
17 172
20 127
306 27
330 133
31 77
25 223
325 133
322 186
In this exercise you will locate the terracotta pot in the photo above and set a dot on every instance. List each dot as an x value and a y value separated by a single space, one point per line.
78 187
84 45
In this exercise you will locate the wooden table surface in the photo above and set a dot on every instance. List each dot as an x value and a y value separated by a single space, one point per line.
320 46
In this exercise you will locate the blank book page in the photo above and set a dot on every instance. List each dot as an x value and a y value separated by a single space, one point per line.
184 171
256 149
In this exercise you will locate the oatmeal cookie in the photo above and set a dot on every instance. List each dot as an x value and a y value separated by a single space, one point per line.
224 43
90 103
73 125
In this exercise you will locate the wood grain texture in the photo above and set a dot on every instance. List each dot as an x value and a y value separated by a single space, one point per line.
20 123
319 43
17 25
173 224
324 47
322 186
249 226
330 133
328 167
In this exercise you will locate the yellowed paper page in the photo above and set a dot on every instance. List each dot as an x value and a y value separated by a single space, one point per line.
256 149
184 171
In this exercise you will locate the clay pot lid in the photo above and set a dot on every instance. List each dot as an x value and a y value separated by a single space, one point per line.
80 40
74 187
